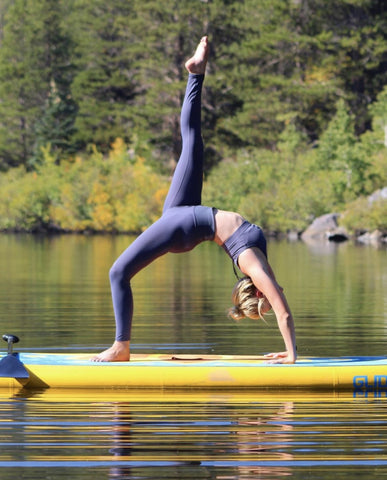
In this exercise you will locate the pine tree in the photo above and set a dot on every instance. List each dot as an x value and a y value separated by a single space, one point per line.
379 114
130 63
340 151
292 61
273 64
355 49
35 71
105 87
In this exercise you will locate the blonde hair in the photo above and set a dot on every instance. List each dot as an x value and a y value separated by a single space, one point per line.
245 300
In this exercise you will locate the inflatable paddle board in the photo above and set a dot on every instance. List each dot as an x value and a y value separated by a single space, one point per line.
159 371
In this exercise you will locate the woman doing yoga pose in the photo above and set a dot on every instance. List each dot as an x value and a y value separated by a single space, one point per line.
185 223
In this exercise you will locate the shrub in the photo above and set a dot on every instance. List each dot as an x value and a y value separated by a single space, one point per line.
364 215
109 193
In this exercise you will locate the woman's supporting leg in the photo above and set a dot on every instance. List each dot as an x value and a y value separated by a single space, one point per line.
152 243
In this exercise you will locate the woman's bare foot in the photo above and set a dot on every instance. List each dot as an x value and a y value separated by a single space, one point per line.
197 63
118 352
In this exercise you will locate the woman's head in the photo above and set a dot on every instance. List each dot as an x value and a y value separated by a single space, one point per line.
248 301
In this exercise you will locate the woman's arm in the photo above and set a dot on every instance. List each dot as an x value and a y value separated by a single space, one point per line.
253 263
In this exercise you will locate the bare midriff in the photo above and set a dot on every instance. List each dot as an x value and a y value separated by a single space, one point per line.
226 223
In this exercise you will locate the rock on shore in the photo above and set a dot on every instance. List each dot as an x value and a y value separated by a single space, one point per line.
325 228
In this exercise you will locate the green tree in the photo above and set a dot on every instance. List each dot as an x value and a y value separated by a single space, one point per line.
105 87
273 63
379 115
294 60
340 151
34 70
55 128
354 50
131 69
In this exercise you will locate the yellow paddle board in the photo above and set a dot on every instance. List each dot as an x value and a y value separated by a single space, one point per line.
360 375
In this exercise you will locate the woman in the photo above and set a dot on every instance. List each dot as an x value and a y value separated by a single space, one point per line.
185 223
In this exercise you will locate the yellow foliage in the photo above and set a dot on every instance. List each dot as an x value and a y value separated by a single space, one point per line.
117 147
63 213
98 195
318 75
103 218
118 152
159 196
101 214
111 193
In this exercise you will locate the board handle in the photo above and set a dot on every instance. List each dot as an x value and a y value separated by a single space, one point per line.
10 339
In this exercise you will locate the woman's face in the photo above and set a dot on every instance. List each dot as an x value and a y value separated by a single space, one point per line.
266 307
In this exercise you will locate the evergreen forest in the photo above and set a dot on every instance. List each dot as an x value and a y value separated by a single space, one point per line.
294 110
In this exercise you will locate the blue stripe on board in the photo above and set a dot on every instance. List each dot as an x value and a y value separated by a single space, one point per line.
70 359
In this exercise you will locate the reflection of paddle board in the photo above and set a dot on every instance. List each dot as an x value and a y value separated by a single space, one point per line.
354 374
141 396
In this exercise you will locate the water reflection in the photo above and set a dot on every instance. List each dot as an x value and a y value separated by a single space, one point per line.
156 435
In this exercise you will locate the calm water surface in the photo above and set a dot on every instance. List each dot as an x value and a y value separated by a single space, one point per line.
54 295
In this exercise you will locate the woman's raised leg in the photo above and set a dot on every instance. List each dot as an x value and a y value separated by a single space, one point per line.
186 185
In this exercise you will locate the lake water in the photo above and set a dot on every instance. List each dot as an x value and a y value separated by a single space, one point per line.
54 294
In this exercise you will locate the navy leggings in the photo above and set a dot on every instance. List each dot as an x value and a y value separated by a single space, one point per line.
177 229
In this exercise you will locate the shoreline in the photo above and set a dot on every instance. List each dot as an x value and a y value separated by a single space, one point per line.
365 237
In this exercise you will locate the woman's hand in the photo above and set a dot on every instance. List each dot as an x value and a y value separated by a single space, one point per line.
280 357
